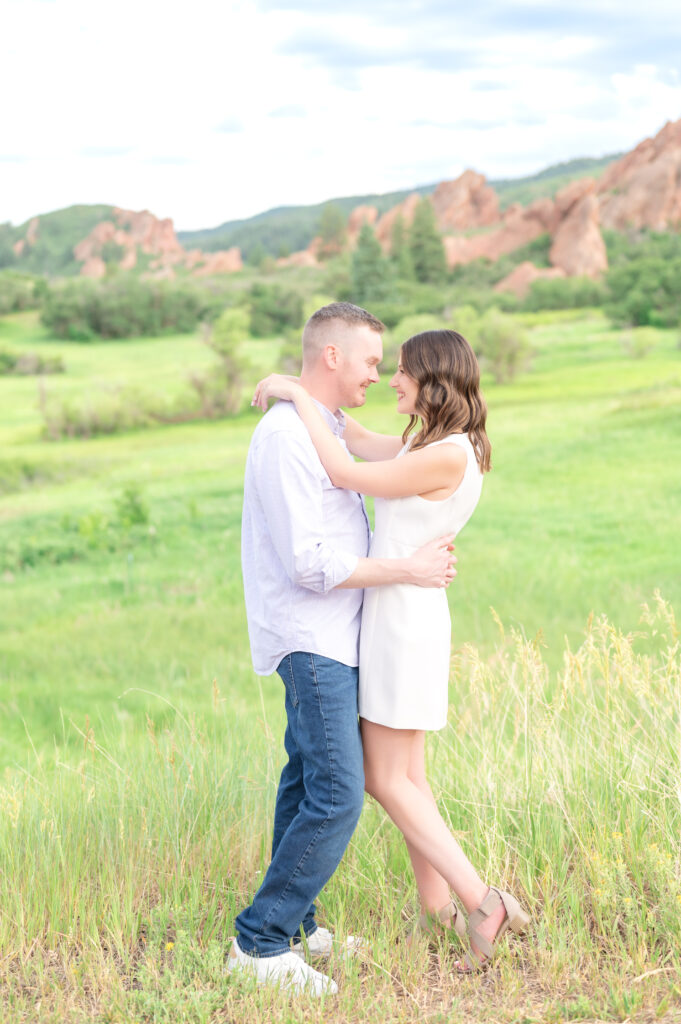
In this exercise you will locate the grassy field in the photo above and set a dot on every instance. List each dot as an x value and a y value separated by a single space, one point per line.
140 753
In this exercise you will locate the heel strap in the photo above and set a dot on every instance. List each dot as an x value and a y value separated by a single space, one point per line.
448 913
515 917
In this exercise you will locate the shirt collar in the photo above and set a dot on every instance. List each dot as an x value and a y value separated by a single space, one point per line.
334 420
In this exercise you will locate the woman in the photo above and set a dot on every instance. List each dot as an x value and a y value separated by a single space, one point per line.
425 486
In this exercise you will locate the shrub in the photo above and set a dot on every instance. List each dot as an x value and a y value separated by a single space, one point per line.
466 321
501 345
131 509
213 395
80 537
19 291
273 309
645 292
66 310
638 342
124 306
29 364
643 280
564 293
220 391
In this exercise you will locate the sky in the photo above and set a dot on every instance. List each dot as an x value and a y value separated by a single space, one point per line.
213 110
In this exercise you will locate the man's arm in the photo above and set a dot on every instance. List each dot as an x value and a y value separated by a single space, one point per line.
291 495
292 502
430 566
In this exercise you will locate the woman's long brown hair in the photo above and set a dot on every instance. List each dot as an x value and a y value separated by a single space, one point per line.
449 401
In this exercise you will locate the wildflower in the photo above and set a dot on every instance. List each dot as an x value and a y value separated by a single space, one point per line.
170 945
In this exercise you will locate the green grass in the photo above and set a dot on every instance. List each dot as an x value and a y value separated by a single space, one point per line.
139 753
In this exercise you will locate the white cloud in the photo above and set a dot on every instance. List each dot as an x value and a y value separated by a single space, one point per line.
221 110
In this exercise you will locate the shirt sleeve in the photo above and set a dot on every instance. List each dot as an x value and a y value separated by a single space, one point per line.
291 492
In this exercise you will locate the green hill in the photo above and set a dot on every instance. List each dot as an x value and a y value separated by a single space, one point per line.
290 228
55 236
550 180
275 232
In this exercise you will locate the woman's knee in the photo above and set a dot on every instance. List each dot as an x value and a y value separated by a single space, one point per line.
382 785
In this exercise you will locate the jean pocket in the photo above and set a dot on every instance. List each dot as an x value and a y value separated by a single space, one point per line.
285 671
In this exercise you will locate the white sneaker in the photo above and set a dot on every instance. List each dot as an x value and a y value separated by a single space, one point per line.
322 943
286 970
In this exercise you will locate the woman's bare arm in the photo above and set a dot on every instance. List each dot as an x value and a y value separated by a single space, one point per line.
368 444
429 469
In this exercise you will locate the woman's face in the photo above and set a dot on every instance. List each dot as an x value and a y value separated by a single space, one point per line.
407 391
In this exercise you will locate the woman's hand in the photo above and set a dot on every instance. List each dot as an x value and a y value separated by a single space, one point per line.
276 385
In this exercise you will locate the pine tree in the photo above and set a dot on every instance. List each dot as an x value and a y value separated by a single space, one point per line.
331 230
400 253
371 274
425 245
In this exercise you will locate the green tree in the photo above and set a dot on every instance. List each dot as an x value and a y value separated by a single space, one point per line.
400 253
425 245
256 254
331 230
371 275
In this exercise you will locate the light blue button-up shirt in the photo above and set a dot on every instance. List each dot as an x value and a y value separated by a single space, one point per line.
300 538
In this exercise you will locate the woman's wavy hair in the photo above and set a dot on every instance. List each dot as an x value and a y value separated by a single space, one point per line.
446 370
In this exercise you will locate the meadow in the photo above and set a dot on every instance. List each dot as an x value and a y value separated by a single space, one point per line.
139 752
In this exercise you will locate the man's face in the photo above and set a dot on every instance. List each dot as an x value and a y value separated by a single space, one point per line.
358 365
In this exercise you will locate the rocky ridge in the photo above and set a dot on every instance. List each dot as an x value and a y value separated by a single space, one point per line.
641 190
142 233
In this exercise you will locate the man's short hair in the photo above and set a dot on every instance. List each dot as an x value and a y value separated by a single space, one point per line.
315 332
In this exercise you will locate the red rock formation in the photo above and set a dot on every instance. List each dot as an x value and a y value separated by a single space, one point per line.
405 209
129 259
226 261
522 276
152 235
578 247
93 244
93 267
360 216
519 226
193 258
141 232
643 189
467 202
304 258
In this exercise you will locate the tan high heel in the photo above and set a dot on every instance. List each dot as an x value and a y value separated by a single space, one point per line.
516 919
429 923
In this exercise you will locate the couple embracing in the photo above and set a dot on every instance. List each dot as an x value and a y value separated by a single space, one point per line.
358 627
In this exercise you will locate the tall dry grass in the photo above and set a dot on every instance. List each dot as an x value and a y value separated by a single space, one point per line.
121 871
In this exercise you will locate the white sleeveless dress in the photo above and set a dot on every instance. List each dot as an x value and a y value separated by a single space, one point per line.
406 630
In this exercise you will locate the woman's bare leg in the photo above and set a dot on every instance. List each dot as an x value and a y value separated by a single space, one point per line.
433 889
387 757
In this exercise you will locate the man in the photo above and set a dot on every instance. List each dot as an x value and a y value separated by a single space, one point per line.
304 548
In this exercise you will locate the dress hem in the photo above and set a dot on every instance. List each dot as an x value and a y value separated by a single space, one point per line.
411 726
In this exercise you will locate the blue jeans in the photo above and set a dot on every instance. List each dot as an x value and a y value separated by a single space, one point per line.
319 801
